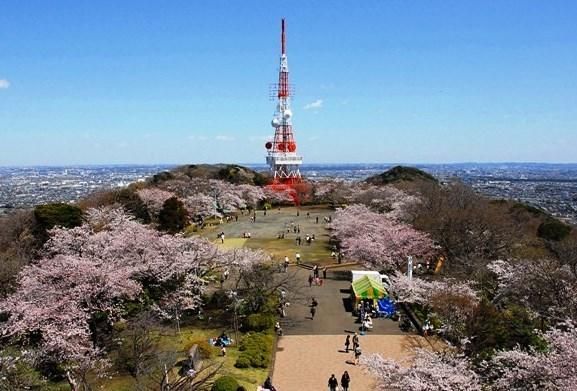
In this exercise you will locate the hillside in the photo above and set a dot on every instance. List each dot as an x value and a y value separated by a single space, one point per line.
231 173
400 174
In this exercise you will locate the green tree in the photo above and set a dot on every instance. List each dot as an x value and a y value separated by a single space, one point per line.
495 329
133 204
553 230
55 215
172 217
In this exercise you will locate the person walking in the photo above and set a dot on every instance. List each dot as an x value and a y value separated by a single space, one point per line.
345 381
311 280
333 383
347 343
324 273
313 312
355 341
357 354
298 258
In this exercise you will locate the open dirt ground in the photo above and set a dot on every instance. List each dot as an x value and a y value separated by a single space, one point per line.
305 362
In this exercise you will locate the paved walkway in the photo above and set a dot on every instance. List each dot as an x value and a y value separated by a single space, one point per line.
332 316
312 349
305 362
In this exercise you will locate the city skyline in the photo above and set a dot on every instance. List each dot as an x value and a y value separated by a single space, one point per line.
425 82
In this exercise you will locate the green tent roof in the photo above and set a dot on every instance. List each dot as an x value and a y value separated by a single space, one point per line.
368 288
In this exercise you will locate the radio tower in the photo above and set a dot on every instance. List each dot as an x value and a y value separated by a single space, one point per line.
281 151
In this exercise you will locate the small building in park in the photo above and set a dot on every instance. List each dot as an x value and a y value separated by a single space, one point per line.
365 288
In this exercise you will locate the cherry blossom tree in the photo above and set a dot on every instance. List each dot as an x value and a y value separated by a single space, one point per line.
410 290
201 205
428 371
333 191
94 268
394 203
184 188
454 302
279 196
244 259
154 199
252 195
556 284
519 370
226 195
377 240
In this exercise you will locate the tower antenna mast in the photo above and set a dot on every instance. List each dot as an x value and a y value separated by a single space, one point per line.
282 157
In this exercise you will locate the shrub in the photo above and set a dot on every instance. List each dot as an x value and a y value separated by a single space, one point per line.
205 349
553 230
225 383
242 362
256 349
258 322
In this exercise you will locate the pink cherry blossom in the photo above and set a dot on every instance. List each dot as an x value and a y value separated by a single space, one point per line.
378 240
154 199
429 371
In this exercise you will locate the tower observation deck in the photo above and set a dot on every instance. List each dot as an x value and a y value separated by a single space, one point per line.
282 157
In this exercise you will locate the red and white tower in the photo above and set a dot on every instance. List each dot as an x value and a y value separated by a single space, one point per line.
282 154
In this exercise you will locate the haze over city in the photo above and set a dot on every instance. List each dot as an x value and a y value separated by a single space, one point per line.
376 81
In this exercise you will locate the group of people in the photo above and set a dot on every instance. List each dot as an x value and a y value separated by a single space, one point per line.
246 235
345 382
356 346
365 310
222 341
228 219
314 278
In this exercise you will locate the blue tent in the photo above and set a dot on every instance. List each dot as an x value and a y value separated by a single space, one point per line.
387 306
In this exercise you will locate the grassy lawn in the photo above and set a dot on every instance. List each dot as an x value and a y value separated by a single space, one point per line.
279 248
231 243
168 340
